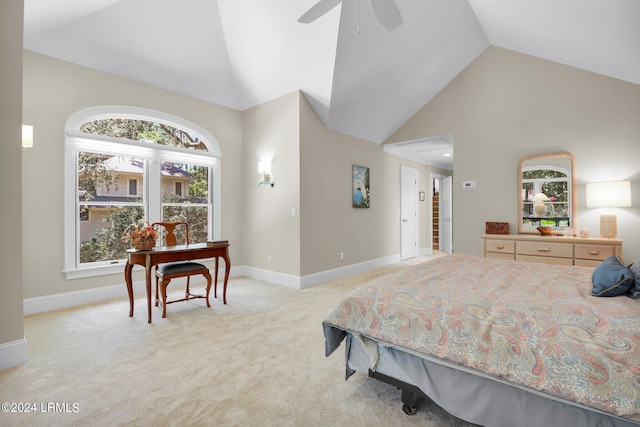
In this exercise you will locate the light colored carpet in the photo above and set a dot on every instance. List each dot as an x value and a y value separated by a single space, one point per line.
259 361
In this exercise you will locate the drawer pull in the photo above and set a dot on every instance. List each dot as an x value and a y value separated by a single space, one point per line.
544 250
500 246
594 252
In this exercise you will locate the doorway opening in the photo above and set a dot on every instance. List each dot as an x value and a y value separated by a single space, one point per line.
441 225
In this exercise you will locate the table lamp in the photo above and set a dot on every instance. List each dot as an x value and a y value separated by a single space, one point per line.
611 194
538 204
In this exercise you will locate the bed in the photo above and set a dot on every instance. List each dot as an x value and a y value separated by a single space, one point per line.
496 342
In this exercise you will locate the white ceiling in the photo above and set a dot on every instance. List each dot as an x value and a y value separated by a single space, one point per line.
241 53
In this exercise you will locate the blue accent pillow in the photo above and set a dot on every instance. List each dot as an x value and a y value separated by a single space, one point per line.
634 292
611 278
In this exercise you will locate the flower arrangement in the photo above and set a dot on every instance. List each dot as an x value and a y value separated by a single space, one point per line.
141 235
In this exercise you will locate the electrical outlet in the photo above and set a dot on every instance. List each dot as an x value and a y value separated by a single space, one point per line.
340 256
269 258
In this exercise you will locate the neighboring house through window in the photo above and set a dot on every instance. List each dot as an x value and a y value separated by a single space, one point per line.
125 165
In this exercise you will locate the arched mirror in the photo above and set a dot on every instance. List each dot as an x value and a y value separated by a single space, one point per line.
547 193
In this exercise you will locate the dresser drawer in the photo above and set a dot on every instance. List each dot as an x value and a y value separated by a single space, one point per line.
545 259
565 250
498 255
545 249
594 252
500 246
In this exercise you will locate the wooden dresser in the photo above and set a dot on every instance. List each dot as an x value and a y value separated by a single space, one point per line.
586 252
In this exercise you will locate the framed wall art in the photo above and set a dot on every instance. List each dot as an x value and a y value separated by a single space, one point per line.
361 189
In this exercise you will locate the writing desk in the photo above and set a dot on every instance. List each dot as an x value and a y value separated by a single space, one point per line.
160 255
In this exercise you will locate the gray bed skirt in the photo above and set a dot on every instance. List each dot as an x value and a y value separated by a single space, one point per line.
467 395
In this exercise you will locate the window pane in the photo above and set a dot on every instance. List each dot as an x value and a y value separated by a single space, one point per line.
183 183
108 202
557 191
101 234
196 216
108 179
143 130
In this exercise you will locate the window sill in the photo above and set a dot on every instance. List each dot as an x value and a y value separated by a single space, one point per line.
102 270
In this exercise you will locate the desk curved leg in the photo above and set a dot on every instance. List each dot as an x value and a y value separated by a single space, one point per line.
147 273
127 279
208 277
227 269
215 282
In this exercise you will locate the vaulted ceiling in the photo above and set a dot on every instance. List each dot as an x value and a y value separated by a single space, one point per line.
359 78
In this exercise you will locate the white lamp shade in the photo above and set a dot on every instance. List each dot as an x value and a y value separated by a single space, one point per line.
264 166
540 197
612 194
27 136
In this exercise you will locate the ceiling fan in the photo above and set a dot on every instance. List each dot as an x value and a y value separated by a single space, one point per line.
386 11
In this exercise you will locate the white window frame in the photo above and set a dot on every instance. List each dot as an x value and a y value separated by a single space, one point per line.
77 141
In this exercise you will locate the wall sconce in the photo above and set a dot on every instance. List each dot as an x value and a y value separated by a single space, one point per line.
27 137
265 175
612 194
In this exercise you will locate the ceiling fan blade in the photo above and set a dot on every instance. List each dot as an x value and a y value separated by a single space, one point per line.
319 9
387 13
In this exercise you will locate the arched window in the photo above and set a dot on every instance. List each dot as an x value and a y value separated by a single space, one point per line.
124 165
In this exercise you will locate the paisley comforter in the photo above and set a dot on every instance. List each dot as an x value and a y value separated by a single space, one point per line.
531 324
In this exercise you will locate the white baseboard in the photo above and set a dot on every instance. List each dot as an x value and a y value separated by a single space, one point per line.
425 251
95 295
76 298
348 270
309 280
13 353
287 280
91 296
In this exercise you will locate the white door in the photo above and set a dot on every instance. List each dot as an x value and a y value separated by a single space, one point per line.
408 212
446 217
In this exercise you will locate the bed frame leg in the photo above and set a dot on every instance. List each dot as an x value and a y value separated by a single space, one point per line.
410 393
409 402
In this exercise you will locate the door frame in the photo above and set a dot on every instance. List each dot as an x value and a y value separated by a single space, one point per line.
448 236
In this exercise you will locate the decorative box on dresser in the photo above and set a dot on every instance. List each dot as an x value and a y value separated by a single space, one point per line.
585 252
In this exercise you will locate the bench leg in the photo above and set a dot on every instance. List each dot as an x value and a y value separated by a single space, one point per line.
163 287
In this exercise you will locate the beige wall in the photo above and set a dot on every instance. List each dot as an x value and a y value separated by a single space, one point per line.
11 326
53 90
329 223
271 132
503 107
506 106
258 221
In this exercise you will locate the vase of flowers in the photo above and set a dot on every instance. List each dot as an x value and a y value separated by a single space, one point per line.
142 236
